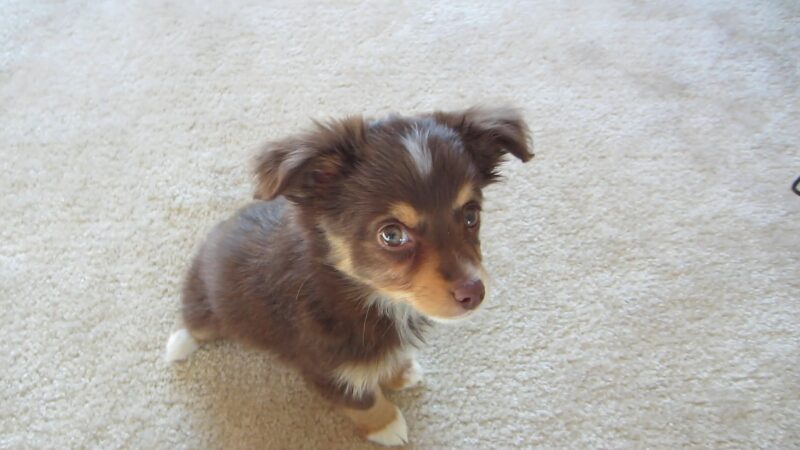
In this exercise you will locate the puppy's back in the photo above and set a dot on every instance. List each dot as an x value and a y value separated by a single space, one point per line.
228 292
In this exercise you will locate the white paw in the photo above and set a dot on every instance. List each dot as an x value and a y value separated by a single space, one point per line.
413 375
180 345
394 434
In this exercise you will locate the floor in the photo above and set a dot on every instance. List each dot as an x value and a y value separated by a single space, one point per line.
646 286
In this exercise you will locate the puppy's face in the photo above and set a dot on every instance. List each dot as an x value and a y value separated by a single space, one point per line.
398 201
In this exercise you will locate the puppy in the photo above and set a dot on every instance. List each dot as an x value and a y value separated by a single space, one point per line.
362 235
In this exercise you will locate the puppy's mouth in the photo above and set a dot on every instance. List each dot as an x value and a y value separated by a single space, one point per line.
452 319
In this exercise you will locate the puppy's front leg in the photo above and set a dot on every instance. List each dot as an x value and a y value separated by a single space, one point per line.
381 422
378 419
408 375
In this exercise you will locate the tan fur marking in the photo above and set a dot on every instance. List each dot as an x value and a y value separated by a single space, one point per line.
465 194
399 379
431 293
342 257
379 416
405 213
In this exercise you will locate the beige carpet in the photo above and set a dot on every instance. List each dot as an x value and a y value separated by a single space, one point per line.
646 263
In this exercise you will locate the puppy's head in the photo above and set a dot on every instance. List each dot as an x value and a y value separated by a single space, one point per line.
398 200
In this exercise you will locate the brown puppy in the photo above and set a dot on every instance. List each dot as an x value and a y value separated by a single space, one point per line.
365 233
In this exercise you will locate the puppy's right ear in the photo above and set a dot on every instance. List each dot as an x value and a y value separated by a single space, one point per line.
489 134
311 165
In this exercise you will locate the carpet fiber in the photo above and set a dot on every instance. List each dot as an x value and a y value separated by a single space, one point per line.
646 285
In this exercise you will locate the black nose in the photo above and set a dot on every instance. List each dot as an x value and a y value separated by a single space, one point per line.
469 294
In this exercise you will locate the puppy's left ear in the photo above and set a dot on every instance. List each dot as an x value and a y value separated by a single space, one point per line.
310 165
488 134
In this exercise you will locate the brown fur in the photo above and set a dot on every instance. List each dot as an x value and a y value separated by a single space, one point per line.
301 272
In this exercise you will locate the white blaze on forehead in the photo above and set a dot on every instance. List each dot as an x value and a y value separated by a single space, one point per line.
416 143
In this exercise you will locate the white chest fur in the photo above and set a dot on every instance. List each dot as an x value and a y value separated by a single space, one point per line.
365 376
362 377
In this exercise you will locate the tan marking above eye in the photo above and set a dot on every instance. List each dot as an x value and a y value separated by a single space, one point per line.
406 214
465 195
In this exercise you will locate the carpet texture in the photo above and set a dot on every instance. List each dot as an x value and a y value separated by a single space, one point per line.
646 285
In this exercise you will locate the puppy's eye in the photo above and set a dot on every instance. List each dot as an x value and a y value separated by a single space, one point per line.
472 216
393 236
